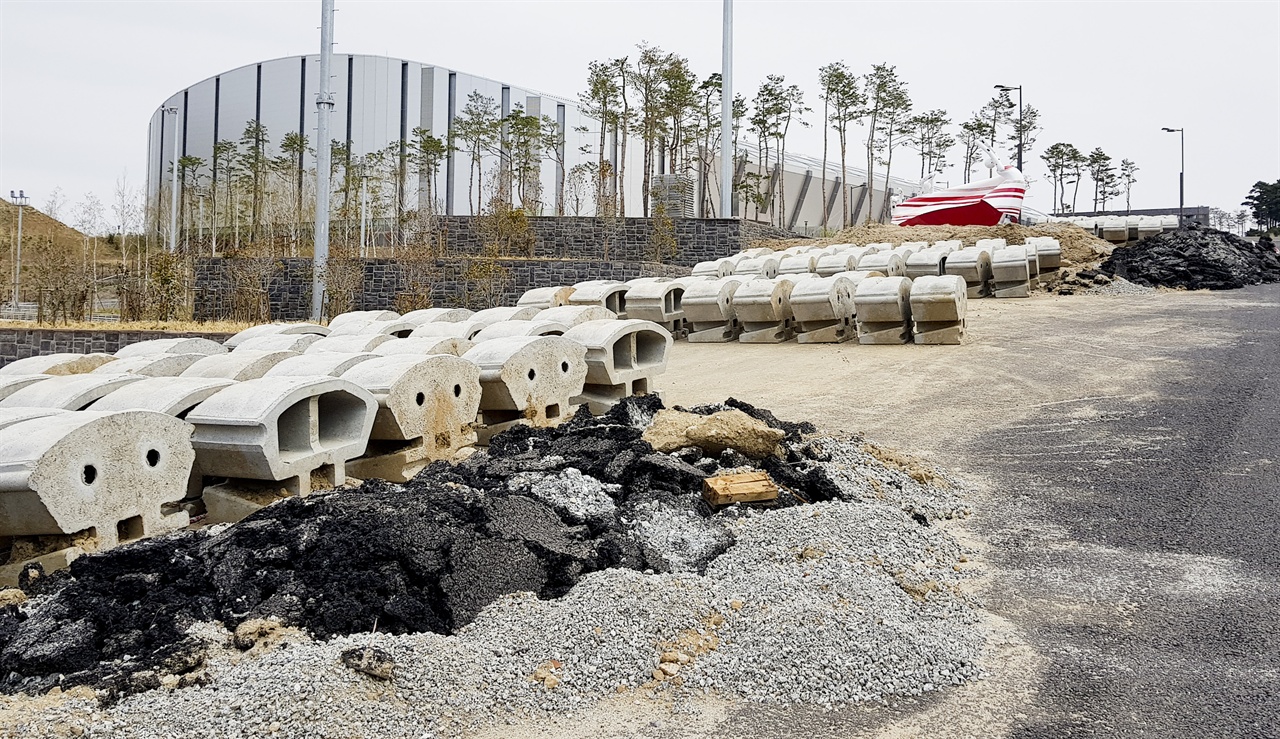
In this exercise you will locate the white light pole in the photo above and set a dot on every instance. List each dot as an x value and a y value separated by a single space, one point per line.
324 106
727 153
364 207
1182 171
20 200
173 187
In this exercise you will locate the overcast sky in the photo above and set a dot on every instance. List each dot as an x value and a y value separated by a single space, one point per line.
79 80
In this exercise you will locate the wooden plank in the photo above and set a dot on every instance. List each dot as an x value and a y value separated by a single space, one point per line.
744 487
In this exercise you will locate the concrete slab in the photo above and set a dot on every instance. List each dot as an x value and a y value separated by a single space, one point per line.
171 346
65 363
242 364
69 393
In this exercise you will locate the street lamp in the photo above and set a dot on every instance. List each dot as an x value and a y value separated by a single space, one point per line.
20 199
1010 88
1182 172
173 188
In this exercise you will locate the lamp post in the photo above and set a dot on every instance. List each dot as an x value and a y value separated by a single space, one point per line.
20 199
727 153
1010 88
173 186
324 106
1182 170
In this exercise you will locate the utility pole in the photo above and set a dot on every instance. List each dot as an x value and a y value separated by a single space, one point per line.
1182 168
364 206
19 200
727 153
324 106
173 186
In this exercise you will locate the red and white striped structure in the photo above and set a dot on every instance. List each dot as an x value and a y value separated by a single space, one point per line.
986 203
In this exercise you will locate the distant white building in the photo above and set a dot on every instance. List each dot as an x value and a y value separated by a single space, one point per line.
380 100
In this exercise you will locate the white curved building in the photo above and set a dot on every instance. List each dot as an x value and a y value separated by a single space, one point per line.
380 101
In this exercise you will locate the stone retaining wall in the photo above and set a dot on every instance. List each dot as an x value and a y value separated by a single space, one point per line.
20 343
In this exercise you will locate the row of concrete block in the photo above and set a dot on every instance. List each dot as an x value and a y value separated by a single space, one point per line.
1118 229
111 456
912 259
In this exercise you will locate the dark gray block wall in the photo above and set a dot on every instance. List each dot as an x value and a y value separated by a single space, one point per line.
20 343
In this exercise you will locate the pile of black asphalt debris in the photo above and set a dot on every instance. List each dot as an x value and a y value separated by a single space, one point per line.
424 556
1196 258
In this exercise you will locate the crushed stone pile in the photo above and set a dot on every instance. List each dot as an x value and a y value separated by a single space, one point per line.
561 568
1196 259
1079 247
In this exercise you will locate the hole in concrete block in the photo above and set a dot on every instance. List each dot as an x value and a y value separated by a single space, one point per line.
650 347
457 391
129 529
294 429
153 457
420 399
442 441
622 354
553 411
640 386
341 418
532 374
564 367
89 474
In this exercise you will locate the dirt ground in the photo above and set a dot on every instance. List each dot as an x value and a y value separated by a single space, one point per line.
1032 408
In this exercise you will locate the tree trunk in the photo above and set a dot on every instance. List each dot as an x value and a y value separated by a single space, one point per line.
844 184
871 152
825 135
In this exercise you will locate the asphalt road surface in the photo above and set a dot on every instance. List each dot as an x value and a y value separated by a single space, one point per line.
1128 450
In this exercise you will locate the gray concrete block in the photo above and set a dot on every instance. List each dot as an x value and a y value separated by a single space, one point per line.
278 343
608 294
623 357
708 310
69 393
172 396
424 345
938 308
437 315
572 315
824 310
63 363
10 384
323 364
536 327
545 297
362 316
528 379
241 364
883 308
171 346
270 329
355 344
155 365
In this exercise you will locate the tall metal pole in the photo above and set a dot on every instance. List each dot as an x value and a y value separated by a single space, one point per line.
364 204
324 106
173 186
1182 172
727 153
19 200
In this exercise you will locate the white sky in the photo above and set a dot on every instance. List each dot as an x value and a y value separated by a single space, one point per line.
79 80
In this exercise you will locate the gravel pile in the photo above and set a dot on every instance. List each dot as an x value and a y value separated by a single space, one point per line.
1196 259
856 599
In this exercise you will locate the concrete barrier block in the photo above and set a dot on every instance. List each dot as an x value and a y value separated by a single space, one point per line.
879 246
888 262
355 344
437 315
545 297
883 307
515 313
762 266
527 379
172 396
925 264
608 294
572 315
708 310
520 328
69 393
1114 229
798 264
659 302
10 384
716 268
974 266
824 310
362 316
938 308
324 364
949 245
278 343
844 261
460 330
10 416
1049 251
158 365
283 429
764 308
56 364
623 357
394 328
171 346
1011 274
106 475
269 329
239 365
425 345
990 244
